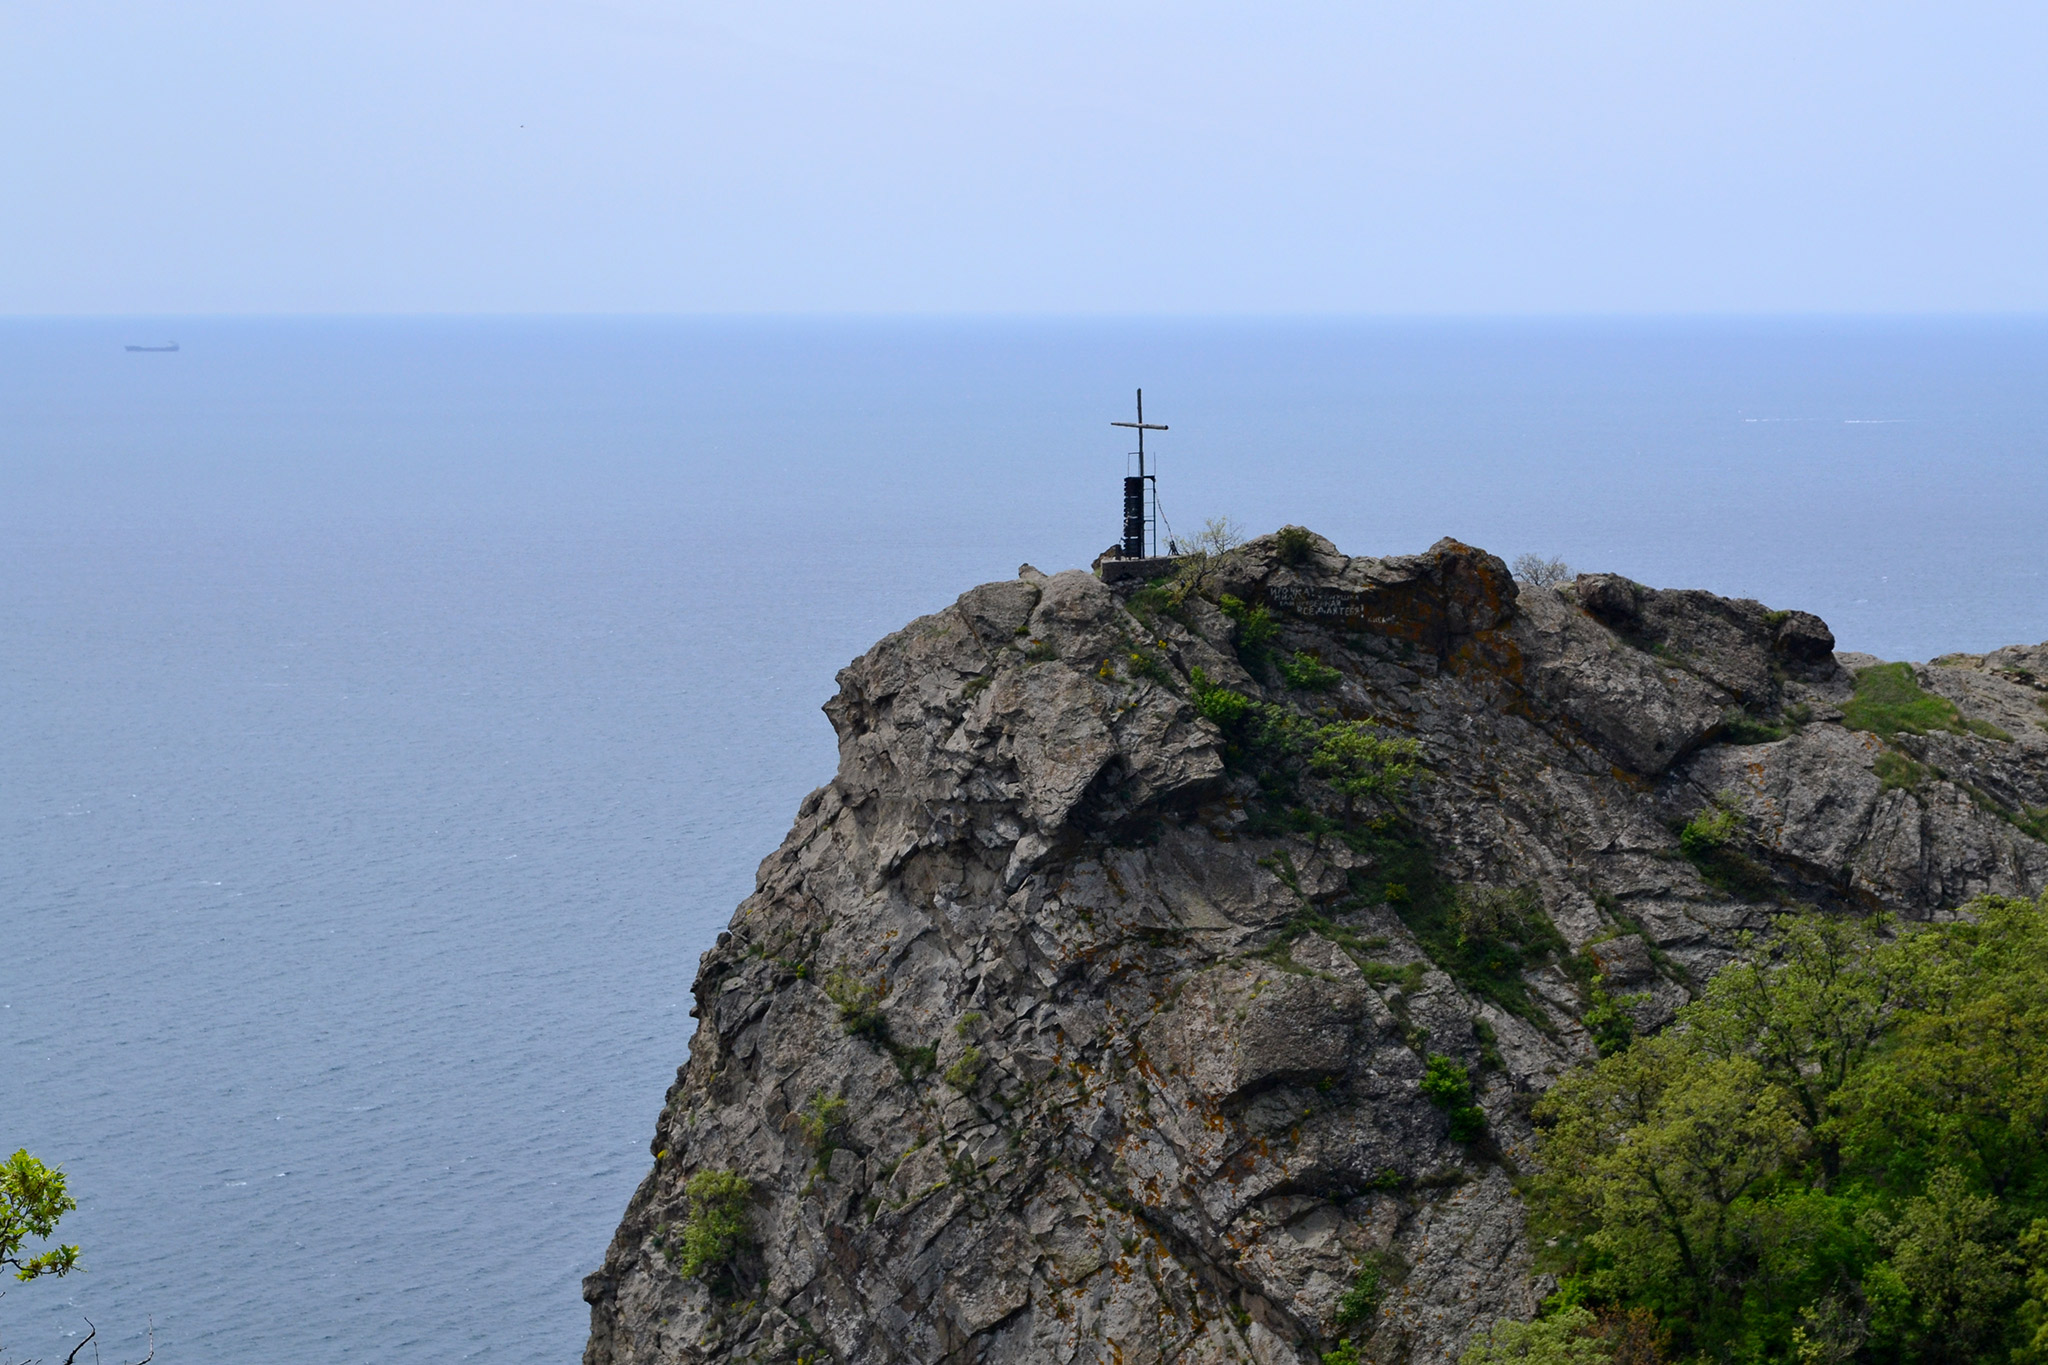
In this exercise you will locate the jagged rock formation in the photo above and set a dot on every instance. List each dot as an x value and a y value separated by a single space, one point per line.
1129 1063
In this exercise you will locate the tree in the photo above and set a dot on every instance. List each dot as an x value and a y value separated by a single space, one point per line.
1362 765
32 1200
1663 1162
1202 555
1539 572
1832 1154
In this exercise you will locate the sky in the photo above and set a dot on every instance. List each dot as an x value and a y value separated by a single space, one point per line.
1023 156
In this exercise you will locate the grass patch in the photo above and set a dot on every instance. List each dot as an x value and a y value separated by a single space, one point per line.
1040 651
1896 771
1742 728
1709 843
1890 701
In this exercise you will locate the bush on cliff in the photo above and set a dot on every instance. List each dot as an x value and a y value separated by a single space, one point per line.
716 1230
1840 1152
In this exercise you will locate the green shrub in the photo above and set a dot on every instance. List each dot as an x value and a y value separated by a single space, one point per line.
715 1232
1362 1299
1040 651
1708 842
912 1062
1255 631
1359 764
1343 1353
1294 545
1711 829
1306 671
819 1120
965 1072
860 1006
1447 1085
1145 664
1219 704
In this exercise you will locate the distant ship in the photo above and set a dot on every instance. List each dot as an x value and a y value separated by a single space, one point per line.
172 347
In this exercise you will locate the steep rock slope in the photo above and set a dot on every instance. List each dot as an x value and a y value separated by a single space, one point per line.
1060 1029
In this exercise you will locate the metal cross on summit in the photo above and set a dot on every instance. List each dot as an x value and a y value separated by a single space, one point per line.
1136 523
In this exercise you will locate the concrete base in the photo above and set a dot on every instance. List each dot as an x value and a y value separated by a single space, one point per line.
1134 573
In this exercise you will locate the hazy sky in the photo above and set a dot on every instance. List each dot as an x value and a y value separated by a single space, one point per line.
995 155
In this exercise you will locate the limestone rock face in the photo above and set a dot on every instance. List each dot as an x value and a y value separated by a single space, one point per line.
1045 1037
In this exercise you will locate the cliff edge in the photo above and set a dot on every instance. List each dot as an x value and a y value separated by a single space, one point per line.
1101 1008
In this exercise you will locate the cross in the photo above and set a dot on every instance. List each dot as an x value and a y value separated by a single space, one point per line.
1143 426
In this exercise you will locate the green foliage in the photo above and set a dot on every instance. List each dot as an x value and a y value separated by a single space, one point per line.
1608 1022
1710 830
1219 704
1362 1299
1143 663
1154 600
716 1230
966 1071
1255 631
1709 843
860 1006
1447 1085
1294 545
1895 770
1343 1353
1040 651
820 1120
912 1062
1360 764
1567 1337
1840 1151
1889 701
1306 671
32 1201
1740 727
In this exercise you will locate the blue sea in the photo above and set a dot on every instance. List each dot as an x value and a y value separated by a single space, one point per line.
391 711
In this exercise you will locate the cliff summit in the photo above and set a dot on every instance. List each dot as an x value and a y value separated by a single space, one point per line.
1168 971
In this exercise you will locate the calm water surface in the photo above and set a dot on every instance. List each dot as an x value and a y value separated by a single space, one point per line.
394 710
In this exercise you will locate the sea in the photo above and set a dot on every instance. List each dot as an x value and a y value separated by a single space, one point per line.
392 710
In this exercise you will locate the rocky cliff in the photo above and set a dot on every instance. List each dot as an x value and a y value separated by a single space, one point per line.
1085 1014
